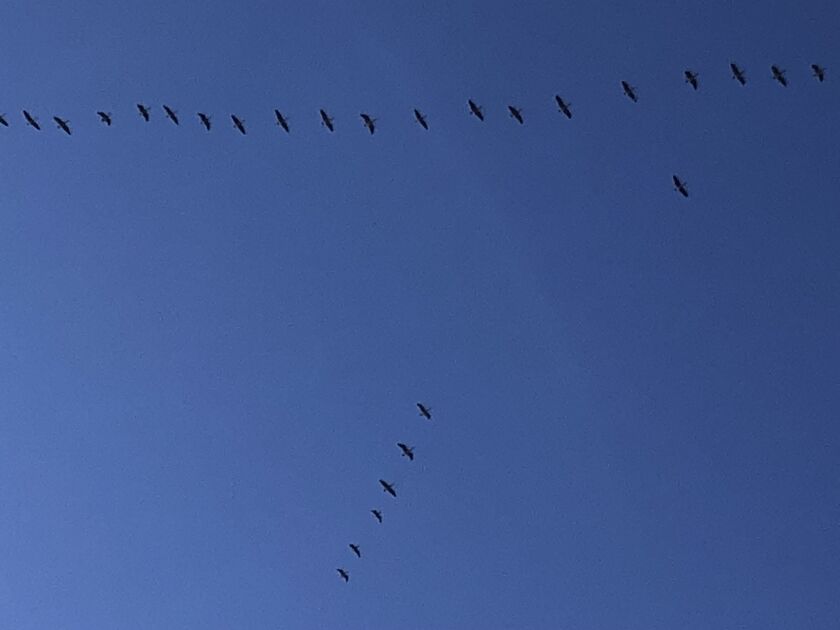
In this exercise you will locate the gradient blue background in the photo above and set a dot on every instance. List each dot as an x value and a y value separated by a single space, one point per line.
210 343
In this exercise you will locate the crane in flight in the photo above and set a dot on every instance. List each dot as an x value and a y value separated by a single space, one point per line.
105 117
819 72
327 121
356 550
407 451
3 120
475 110
563 106
679 186
691 78
144 111
425 411
281 120
738 74
630 91
377 514
418 115
239 124
369 123
388 487
64 125
344 575
31 120
779 75
171 114
516 114
205 120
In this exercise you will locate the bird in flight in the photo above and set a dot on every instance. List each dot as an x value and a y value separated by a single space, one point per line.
425 411
344 575
516 113
630 91
327 121
281 120
691 79
356 550
105 117
679 186
377 514
239 124
779 75
171 115
31 120
3 120
144 111
369 122
387 487
738 74
64 125
418 115
475 110
563 106
407 451
819 72
205 120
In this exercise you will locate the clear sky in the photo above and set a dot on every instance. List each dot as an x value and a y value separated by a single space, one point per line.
210 343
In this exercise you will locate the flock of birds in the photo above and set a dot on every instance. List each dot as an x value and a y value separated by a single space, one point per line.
282 121
387 487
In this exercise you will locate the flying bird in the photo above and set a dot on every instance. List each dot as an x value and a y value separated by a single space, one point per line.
171 115
516 113
819 72
64 125
369 122
630 91
144 111
738 74
407 451
356 549
327 121
475 110
563 106
3 120
679 186
239 124
281 120
418 115
344 574
105 117
205 120
691 79
377 514
779 75
387 487
31 120
425 411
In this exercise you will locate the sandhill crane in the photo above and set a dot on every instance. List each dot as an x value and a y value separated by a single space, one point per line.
387 487
377 514
738 74
171 114
64 125
327 121
281 120
31 120
516 114
691 79
630 91
425 411
356 550
779 75
144 111
407 451
819 72
239 124
105 117
344 575
205 120
369 122
475 110
679 186
418 115
563 106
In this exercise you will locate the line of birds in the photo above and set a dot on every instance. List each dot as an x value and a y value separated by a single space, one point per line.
388 487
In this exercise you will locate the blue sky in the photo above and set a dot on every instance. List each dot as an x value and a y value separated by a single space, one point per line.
211 343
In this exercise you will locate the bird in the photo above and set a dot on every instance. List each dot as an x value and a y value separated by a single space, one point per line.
377 514
407 451
281 120
369 122
344 574
31 120
327 121
239 124
105 117
205 120
171 115
387 487
738 74
144 111
356 550
418 115
819 72
779 75
64 125
3 120
630 91
475 110
425 411
679 186
563 106
516 113
691 79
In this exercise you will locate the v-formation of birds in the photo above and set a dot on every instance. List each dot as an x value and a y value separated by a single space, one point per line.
387 487
692 78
